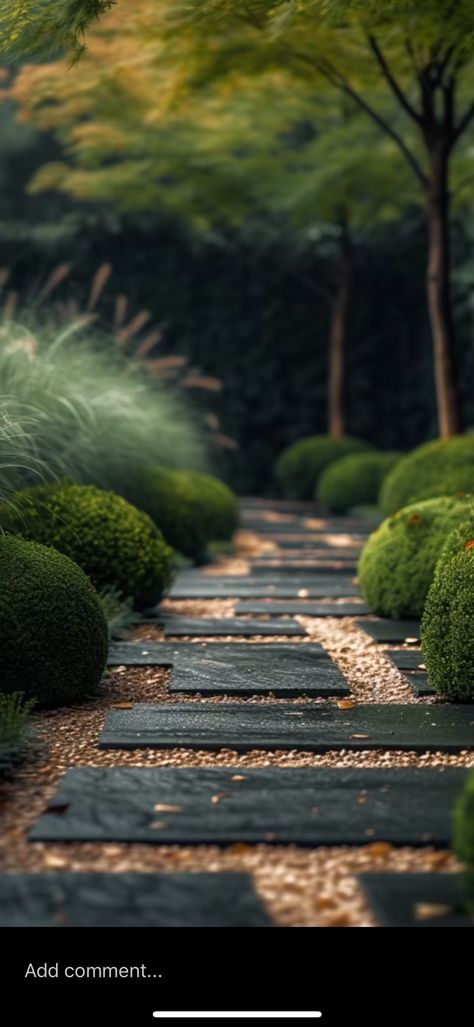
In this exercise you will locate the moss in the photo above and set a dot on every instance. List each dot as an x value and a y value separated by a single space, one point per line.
354 480
463 839
298 468
398 562
114 543
53 633
440 468
448 628
188 507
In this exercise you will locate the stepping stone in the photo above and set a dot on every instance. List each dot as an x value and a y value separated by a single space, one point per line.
392 630
130 900
309 728
315 543
307 557
416 900
199 627
240 670
302 609
140 654
292 805
295 570
243 587
409 661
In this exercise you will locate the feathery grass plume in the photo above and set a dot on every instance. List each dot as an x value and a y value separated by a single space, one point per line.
90 415
14 713
32 28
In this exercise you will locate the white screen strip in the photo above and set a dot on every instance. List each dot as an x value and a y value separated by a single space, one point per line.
235 1016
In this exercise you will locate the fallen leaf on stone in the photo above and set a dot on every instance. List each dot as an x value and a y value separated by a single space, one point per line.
123 705
157 824
238 777
346 704
163 807
411 641
215 799
380 849
362 799
271 836
360 736
60 918
430 910
422 666
303 593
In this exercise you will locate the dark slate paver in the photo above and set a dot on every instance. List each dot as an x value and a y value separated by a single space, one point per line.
241 670
310 728
416 900
406 659
314 544
291 805
302 608
201 627
140 654
392 630
130 900
296 570
284 587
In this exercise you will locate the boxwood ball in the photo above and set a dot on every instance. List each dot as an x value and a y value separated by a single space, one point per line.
398 562
113 542
298 467
53 633
447 631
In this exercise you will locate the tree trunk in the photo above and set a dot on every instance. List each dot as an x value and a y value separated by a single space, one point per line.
337 341
439 295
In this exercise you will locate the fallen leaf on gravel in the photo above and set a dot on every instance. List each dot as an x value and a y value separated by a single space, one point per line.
430 910
380 849
163 807
360 736
346 704
123 705
341 919
239 849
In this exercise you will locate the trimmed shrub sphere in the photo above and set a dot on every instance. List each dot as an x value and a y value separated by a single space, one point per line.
298 468
53 633
440 468
113 542
398 562
219 505
191 509
354 480
459 539
447 632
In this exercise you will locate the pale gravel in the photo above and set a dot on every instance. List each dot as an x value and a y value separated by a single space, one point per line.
300 887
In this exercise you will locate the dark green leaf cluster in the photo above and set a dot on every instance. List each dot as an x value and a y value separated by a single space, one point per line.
448 628
354 480
14 712
114 543
190 508
53 633
298 468
440 468
399 560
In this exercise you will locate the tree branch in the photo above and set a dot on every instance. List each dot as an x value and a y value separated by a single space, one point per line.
464 122
340 82
390 78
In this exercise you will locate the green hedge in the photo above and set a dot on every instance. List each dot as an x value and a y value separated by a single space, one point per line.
448 628
440 468
299 467
115 543
398 562
354 480
53 633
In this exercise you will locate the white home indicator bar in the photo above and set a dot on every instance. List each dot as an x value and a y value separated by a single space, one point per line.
235 1016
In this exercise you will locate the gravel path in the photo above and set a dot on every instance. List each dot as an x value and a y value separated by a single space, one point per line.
301 887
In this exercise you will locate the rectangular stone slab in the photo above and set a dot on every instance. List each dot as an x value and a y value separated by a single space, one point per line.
318 543
240 670
322 586
306 557
277 805
392 630
140 654
302 609
406 659
200 627
398 900
296 570
130 900
309 728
